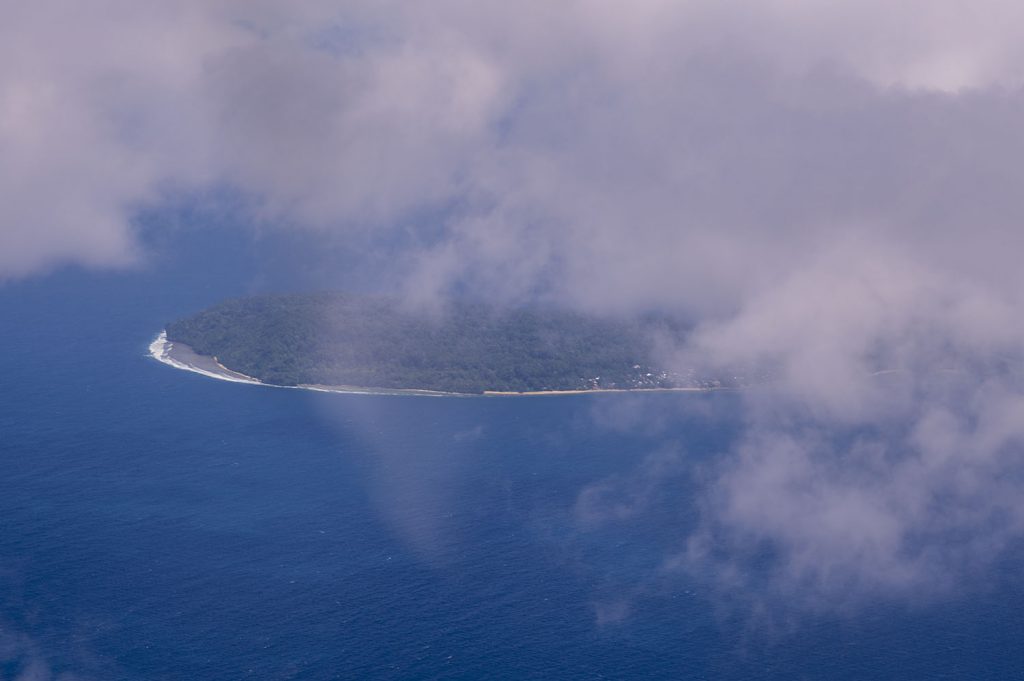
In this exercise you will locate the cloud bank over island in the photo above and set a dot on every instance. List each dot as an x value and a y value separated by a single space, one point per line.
831 190
714 146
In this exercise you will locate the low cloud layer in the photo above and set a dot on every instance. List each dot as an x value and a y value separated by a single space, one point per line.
831 191
665 153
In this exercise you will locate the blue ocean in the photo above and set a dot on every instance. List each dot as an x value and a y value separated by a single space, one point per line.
157 524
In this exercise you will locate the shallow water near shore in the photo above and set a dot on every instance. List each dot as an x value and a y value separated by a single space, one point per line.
157 524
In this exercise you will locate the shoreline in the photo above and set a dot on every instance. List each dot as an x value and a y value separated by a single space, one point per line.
591 391
183 357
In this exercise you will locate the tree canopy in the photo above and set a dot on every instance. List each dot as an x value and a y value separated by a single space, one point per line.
375 342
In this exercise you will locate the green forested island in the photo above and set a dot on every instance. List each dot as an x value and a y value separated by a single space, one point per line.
338 339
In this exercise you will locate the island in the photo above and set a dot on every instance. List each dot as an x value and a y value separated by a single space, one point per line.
337 341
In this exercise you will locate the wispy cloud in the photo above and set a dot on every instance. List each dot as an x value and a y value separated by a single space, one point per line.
831 190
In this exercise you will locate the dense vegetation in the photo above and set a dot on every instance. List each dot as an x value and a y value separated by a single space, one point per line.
369 341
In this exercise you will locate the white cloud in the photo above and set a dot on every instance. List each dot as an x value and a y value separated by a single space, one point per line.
831 188
587 119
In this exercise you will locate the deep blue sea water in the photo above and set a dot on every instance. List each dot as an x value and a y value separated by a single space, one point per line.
156 524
